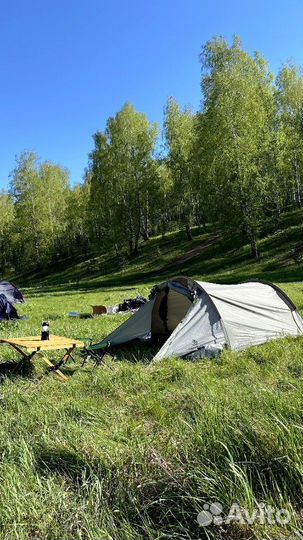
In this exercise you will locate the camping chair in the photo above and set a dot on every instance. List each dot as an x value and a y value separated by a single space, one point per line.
95 355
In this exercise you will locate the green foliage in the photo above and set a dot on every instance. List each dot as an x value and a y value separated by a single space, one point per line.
39 194
124 178
289 97
179 135
235 135
7 219
79 221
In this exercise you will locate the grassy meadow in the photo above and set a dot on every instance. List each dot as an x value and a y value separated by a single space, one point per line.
132 452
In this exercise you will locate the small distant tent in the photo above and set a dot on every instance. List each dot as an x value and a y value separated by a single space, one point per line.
7 310
9 295
12 293
199 318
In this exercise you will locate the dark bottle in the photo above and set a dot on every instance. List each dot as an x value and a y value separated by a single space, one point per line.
45 331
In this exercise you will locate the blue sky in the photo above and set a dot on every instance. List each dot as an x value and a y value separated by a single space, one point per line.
66 66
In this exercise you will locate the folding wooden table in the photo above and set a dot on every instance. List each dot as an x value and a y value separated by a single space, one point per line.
28 347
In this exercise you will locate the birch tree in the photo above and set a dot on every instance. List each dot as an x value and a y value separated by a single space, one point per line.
289 97
123 177
39 194
237 121
7 218
179 137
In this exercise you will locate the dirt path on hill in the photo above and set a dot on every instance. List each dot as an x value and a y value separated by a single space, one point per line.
189 255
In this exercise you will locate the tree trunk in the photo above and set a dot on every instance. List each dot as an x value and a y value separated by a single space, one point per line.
145 235
136 250
131 246
203 221
298 184
250 231
254 248
145 226
189 233
277 214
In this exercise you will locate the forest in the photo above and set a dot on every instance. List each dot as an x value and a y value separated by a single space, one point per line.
237 162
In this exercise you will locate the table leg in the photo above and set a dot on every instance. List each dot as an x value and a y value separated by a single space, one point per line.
54 367
65 358
28 357
24 357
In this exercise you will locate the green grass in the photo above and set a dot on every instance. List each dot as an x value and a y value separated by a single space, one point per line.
128 451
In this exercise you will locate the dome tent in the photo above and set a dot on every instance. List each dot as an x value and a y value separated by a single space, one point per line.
9 295
12 293
200 317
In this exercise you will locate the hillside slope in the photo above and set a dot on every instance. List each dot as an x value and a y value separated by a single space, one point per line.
209 256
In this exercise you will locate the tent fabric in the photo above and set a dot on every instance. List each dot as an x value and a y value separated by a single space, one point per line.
12 293
211 317
7 310
252 313
180 288
200 328
138 326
